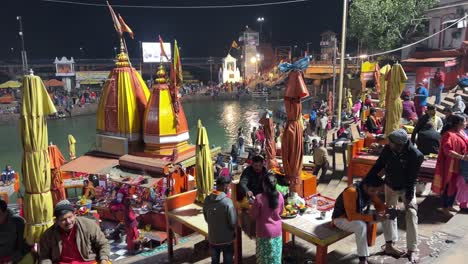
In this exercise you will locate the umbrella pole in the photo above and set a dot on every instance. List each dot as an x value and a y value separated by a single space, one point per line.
342 61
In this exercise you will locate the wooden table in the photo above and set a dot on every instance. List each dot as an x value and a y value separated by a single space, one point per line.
361 164
313 230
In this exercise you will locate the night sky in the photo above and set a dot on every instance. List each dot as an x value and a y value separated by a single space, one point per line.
54 30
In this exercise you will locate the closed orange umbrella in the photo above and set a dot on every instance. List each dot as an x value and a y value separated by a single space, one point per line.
270 147
292 142
56 161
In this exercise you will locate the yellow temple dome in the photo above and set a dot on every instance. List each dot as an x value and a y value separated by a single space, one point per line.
123 101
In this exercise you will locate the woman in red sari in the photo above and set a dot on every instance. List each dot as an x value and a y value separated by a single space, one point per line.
453 148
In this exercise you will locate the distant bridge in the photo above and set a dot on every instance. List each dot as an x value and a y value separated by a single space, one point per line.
46 67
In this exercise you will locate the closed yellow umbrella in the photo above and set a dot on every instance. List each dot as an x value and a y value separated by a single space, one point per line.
71 147
203 165
36 105
383 84
394 107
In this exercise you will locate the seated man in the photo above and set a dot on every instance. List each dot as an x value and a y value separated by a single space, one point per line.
352 212
73 239
430 116
373 123
12 245
8 175
428 140
251 179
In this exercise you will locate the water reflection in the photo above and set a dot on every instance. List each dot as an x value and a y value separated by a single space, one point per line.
221 119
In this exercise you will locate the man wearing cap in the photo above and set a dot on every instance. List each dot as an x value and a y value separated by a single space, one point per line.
421 98
400 161
73 239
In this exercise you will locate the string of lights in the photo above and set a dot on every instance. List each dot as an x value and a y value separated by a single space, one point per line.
179 7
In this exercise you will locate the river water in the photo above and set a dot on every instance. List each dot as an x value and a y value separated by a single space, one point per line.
221 119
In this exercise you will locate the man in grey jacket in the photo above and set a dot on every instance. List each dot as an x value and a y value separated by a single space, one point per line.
220 215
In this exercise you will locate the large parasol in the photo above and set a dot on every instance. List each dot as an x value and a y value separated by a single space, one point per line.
292 142
203 165
36 105
56 160
10 84
393 108
270 146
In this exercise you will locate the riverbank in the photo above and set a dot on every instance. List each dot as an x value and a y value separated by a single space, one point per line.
274 95
88 109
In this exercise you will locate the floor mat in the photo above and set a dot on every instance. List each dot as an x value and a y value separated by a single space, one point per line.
429 249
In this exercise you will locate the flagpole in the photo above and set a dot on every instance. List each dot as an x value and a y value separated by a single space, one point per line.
126 50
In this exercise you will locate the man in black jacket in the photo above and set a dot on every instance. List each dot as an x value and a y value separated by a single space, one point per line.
251 179
401 162
428 139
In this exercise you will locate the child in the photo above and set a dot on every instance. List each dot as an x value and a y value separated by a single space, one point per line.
267 209
220 215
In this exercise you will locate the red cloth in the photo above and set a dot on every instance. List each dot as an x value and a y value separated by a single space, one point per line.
132 235
447 168
70 253
368 103
260 135
270 145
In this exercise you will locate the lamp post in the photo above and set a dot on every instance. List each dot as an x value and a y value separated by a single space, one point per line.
334 72
308 51
342 60
260 20
24 57
82 51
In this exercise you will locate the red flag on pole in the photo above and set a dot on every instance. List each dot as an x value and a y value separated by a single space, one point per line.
125 27
163 52
117 25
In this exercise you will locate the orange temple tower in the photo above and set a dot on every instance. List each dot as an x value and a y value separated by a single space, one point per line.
165 129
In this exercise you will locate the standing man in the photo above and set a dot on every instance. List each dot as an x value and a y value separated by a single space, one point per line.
401 162
251 179
220 215
72 239
439 81
421 95
321 159
253 136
